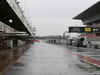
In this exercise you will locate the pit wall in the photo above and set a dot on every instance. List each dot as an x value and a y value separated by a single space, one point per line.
93 44
64 42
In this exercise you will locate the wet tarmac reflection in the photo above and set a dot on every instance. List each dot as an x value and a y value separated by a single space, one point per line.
8 57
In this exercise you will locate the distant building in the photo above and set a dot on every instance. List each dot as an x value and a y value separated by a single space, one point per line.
34 31
91 18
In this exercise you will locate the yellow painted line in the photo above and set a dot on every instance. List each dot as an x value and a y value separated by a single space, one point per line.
20 59
8 59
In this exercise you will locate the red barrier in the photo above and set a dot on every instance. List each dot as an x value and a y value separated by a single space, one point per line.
36 40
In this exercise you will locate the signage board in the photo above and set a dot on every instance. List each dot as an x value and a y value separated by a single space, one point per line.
8 29
95 29
84 29
12 29
4 27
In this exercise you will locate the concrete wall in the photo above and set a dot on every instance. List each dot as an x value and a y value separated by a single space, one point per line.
63 41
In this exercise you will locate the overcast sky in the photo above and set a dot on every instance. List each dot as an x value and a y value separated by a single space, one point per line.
53 17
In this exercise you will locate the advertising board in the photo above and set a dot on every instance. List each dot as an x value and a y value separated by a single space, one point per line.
84 29
12 29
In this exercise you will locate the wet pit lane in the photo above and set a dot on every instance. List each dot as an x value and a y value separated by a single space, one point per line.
9 57
49 59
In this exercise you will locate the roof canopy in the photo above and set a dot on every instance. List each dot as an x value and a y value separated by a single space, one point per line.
90 12
8 13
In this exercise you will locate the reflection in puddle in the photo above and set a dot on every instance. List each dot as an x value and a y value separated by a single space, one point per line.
8 57
18 64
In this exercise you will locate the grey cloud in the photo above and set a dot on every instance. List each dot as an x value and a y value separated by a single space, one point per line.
55 16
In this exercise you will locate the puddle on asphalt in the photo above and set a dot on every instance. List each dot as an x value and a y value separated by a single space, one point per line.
19 64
